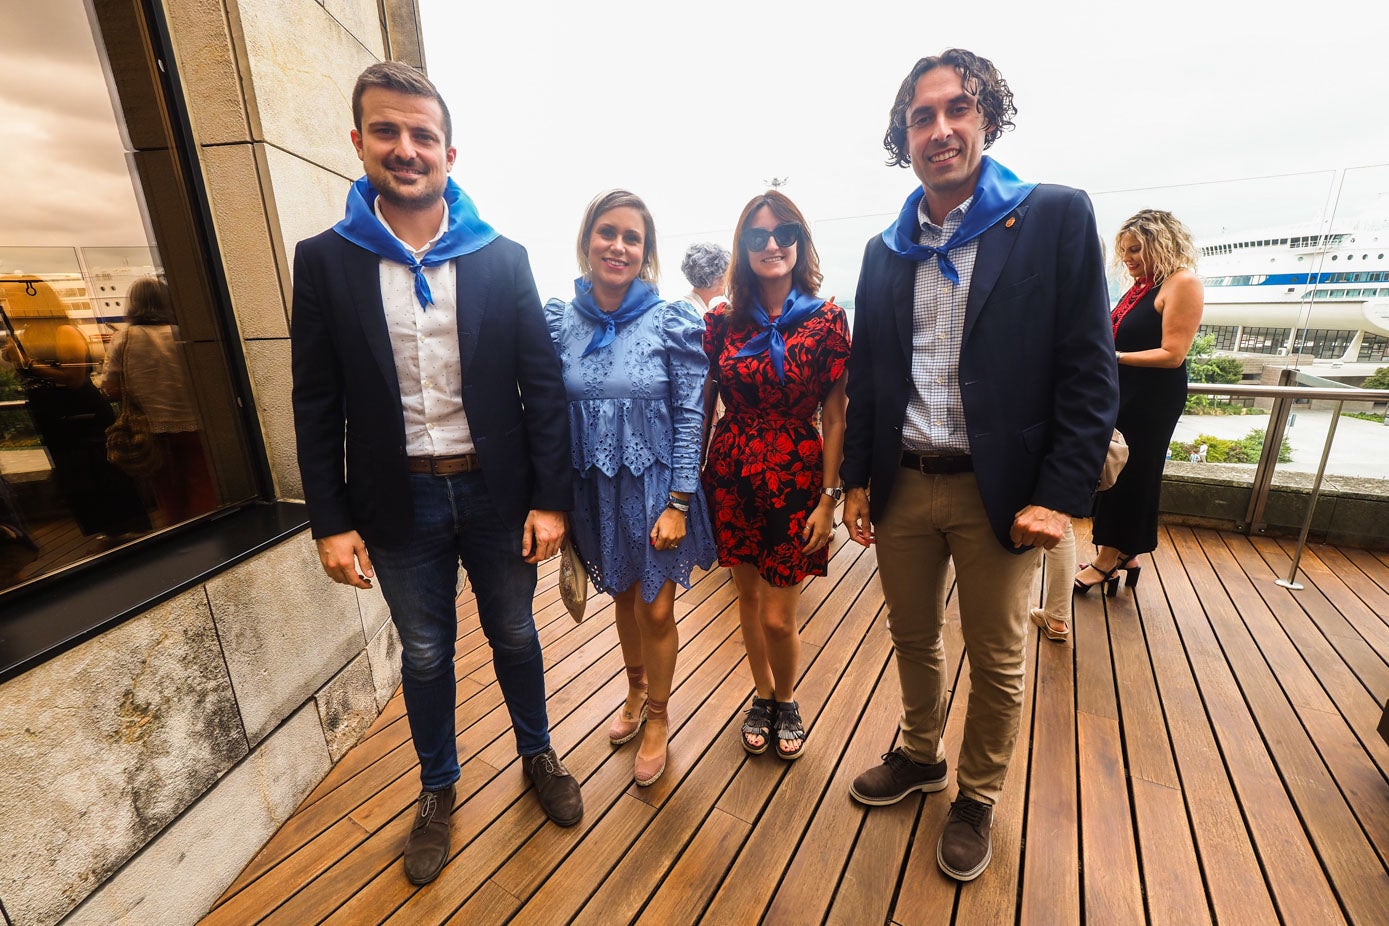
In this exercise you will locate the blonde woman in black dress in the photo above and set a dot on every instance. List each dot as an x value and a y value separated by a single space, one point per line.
1154 325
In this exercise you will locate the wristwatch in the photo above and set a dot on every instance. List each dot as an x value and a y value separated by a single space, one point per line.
836 493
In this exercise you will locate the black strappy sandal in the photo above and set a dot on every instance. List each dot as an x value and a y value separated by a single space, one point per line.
789 726
759 723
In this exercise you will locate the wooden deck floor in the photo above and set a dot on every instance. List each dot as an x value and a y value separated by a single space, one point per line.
1204 752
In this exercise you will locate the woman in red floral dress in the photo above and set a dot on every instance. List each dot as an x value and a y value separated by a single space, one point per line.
776 356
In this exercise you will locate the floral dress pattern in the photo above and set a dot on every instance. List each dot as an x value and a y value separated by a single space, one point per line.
636 415
764 472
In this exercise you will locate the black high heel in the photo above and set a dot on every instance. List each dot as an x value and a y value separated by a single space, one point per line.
1110 581
1131 571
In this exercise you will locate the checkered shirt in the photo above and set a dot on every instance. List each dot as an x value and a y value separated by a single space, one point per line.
935 421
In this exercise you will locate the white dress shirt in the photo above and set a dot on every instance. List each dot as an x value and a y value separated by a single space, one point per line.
424 343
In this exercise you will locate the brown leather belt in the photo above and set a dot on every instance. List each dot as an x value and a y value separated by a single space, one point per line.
938 465
444 466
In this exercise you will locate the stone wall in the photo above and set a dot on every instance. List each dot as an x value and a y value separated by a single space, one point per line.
144 768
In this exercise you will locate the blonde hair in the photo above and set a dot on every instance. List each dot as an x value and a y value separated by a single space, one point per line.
616 199
1166 242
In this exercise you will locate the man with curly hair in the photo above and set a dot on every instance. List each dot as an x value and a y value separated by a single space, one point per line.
982 396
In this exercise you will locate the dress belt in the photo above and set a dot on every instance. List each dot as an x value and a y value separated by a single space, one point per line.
937 464
444 466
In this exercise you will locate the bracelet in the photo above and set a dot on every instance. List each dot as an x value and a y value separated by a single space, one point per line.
682 507
1118 356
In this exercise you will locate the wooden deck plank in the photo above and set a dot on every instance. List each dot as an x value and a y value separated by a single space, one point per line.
813 875
1113 891
1234 879
1276 683
1172 882
1350 697
866 889
1200 744
1171 873
1299 887
1051 867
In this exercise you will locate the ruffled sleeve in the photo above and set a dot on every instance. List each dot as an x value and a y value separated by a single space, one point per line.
554 317
686 367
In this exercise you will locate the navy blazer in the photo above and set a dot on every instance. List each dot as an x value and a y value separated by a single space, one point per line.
346 393
1037 373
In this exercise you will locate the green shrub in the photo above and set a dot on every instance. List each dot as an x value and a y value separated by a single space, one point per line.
1379 379
1221 450
1202 367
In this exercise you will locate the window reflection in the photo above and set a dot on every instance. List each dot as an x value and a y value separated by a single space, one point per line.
106 306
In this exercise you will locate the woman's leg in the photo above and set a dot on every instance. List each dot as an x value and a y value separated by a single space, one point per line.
768 618
629 635
1105 561
660 642
750 588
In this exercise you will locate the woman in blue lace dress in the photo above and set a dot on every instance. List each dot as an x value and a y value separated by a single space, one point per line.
634 368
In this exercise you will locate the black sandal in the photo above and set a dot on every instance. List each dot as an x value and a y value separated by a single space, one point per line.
759 723
789 726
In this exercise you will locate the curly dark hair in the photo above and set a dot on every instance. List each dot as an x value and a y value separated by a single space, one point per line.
742 282
980 78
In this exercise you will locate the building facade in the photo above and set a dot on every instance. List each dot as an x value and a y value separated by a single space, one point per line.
170 692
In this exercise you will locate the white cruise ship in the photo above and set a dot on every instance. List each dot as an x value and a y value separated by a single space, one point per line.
1317 299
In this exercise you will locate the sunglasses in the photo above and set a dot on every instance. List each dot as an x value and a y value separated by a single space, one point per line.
786 234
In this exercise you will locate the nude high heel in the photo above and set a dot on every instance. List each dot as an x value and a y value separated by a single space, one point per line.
625 726
648 769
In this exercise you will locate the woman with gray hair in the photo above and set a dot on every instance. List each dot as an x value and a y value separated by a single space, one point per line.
705 266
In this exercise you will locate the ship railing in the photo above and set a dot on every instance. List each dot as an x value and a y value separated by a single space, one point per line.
1294 385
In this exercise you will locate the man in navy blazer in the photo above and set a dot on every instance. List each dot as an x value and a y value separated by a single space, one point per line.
432 428
982 396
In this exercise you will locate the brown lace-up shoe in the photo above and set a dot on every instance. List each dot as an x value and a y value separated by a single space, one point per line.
555 787
898 776
965 848
427 846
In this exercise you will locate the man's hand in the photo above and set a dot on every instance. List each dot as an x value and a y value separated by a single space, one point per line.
342 555
856 516
1036 526
543 533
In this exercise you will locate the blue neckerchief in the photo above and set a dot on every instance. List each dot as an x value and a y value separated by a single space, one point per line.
998 193
640 297
797 308
466 232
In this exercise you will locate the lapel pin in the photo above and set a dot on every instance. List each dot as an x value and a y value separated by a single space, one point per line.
1012 220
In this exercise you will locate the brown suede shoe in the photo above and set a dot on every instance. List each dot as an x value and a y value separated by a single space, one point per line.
898 776
965 848
427 846
555 787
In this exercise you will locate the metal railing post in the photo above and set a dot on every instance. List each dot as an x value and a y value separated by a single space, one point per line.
1268 459
1291 580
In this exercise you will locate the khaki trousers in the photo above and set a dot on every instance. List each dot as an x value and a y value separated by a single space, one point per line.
929 520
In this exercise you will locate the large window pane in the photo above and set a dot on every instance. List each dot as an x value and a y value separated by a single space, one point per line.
95 324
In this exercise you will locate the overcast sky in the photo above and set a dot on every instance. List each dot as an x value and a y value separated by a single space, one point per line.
63 177
696 105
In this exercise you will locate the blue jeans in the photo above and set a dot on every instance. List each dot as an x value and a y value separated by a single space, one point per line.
455 521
